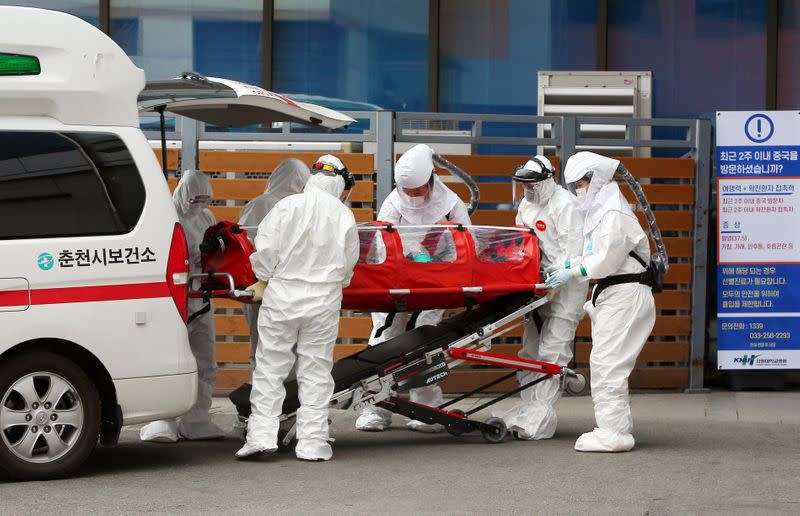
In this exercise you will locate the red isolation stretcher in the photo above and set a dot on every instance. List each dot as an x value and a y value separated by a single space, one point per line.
400 268
493 272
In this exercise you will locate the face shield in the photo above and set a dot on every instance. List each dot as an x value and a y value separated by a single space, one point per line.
578 188
417 197
531 182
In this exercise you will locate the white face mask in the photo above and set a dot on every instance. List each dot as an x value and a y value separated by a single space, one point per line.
580 193
417 201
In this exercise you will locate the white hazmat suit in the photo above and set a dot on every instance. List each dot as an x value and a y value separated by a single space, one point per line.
413 170
306 249
191 198
288 178
623 315
557 220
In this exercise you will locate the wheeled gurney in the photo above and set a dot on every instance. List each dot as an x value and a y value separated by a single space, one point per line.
492 271
424 356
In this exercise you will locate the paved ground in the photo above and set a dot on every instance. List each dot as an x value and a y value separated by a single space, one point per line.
720 453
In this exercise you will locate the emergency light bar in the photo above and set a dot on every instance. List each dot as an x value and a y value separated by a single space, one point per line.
15 64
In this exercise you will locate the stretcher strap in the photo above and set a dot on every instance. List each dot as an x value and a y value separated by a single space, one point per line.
204 310
386 324
479 389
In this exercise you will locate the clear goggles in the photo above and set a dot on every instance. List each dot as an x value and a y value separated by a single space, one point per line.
204 200
573 187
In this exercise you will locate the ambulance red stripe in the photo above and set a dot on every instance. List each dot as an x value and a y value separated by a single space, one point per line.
53 296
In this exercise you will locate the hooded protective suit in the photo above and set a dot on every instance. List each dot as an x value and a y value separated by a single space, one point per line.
624 314
412 170
191 198
288 178
306 249
558 223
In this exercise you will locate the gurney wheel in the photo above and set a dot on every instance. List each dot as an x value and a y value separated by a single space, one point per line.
497 437
576 385
453 431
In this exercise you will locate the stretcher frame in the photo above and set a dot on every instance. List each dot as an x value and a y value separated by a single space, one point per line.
381 390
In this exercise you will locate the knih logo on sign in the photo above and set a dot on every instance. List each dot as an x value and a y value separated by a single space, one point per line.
746 359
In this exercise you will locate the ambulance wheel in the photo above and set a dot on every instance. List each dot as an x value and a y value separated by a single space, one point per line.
454 431
49 416
499 435
576 385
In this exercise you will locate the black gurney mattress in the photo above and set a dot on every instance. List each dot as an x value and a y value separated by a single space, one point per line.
398 350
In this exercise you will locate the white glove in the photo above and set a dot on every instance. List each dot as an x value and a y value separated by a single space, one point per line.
258 290
561 277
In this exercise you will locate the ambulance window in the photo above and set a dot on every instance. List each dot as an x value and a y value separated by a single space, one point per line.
55 184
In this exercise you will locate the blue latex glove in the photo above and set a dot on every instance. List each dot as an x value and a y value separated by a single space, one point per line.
559 278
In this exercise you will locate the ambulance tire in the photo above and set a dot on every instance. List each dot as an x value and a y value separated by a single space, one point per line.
80 403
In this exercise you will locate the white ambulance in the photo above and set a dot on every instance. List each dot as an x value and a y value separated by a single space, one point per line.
93 262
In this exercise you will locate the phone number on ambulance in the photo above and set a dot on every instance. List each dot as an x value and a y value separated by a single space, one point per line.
105 257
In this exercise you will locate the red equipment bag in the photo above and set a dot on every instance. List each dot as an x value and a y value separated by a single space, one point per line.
226 249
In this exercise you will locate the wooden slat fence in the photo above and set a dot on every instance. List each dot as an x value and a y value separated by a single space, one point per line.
667 182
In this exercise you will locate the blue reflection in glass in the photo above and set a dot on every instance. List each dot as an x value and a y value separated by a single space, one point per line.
353 50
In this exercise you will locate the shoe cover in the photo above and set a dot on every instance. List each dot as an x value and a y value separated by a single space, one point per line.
373 419
165 431
425 428
604 440
532 420
240 429
199 429
251 449
313 450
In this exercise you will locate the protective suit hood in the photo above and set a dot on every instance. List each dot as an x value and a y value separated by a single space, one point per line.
288 178
333 185
603 194
414 169
192 184
330 159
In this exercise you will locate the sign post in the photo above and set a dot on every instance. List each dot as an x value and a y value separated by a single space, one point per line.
758 236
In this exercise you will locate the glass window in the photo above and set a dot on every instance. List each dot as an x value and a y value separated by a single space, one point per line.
167 37
87 10
789 54
67 184
428 244
356 50
492 50
705 55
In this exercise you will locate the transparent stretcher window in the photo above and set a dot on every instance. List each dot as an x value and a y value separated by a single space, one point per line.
499 245
428 244
372 248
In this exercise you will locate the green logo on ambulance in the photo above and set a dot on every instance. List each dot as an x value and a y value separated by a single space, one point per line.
45 261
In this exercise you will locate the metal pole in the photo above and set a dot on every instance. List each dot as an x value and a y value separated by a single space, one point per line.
569 137
702 183
384 156
160 110
190 143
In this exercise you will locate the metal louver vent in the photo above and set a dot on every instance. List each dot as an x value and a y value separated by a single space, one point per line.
604 94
